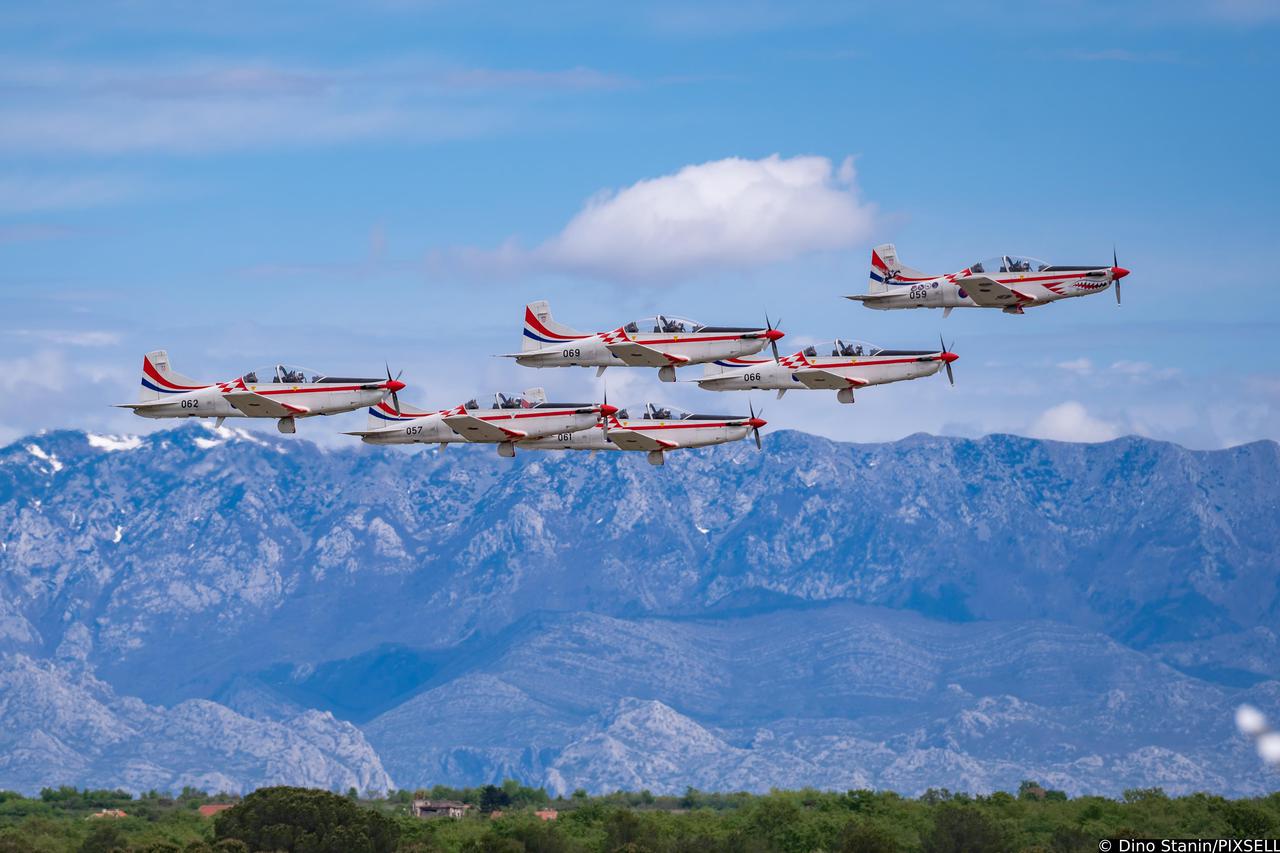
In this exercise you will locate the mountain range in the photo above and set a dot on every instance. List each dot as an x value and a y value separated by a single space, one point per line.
228 609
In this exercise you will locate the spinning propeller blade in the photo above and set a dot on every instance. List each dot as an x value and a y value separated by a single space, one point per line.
951 377
395 397
756 422
773 343
1115 263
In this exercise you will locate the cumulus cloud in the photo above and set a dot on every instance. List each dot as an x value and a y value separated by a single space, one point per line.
730 213
1071 421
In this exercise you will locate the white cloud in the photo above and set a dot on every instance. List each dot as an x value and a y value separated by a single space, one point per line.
1079 365
220 104
1070 421
729 213
37 194
72 337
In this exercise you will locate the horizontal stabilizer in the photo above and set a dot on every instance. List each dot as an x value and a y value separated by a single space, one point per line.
146 404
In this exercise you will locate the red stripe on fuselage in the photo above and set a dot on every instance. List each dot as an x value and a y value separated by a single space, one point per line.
531 414
691 336
698 425
319 389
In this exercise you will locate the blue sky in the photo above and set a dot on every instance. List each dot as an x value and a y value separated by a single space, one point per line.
241 184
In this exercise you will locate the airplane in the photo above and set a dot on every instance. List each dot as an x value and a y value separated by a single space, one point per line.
512 419
663 342
283 392
848 366
659 430
1009 282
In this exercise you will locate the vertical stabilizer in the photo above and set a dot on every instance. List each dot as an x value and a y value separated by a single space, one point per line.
887 270
541 330
159 378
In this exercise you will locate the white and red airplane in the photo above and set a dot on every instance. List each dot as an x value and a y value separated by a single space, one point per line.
840 366
281 391
512 419
659 430
662 342
1008 282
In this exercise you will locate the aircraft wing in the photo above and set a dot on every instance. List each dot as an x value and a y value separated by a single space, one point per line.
814 377
627 439
872 297
256 405
474 429
639 355
990 293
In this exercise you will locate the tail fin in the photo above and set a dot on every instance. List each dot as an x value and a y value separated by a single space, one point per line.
887 270
540 330
159 378
715 368
384 415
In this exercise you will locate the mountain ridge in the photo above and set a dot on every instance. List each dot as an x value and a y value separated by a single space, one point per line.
270 576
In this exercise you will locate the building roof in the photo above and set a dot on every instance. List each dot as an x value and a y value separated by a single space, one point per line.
211 809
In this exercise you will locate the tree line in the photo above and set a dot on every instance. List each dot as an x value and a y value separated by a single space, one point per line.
301 820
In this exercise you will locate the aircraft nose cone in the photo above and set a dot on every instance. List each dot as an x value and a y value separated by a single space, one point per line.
606 409
395 385
774 334
1118 273
949 357
756 423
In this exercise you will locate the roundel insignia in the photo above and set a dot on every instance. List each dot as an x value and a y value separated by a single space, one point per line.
963 295
935 284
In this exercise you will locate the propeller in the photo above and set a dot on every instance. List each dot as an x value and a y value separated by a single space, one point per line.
1117 272
773 339
394 385
755 423
947 357
605 411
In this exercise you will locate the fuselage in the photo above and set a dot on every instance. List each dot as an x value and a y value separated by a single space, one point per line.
326 396
782 375
538 420
1030 288
706 345
689 431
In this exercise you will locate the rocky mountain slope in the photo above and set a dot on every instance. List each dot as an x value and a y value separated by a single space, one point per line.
394 589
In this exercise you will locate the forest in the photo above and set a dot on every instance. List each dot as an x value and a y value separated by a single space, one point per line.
512 818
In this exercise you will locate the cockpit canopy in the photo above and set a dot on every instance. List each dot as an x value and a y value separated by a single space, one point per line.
284 374
663 323
1009 263
662 412
528 399
840 347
